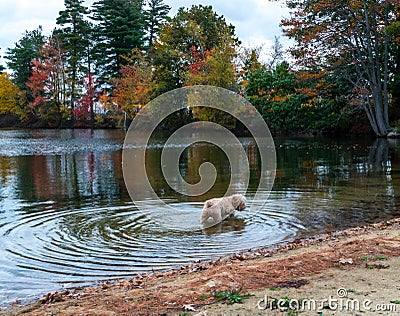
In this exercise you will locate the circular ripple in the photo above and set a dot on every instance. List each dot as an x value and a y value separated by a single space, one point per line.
46 248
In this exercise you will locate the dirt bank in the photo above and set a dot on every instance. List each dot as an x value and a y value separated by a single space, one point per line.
357 269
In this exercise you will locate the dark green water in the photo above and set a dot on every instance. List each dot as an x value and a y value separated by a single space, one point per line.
66 218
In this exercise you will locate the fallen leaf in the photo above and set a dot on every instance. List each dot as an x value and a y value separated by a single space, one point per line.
51 298
189 307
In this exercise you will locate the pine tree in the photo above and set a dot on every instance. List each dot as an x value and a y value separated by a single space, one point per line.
20 58
120 25
2 68
155 15
75 40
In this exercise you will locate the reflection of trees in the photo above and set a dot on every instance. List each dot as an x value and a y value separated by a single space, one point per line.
191 159
321 164
41 178
79 177
340 185
379 152
25 182
199 154
6 169
8 179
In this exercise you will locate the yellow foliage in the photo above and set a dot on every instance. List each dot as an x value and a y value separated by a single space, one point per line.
9 93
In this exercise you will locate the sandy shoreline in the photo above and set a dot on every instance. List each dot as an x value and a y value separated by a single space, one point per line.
357 267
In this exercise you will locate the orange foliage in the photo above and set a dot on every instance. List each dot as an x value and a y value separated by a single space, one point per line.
133 89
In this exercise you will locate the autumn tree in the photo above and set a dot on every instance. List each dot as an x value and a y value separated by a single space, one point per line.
133 89
74 36
293 101
350 38
196 46
84 111
9 94
215 68
47 83
197 30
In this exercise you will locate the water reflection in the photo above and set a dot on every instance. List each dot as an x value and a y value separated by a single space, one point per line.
340 184
66 217
232 224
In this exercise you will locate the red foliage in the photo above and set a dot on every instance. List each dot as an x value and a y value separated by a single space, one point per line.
38 83
199 60
46 78
84 107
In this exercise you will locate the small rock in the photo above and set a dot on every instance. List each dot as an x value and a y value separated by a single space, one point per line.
211 283
346 260
189 307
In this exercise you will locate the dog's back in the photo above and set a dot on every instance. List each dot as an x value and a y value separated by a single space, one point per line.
212 202
213 210
218 209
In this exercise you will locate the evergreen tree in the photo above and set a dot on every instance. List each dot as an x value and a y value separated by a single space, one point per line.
155 15
75 41
20 58
120 28
2 67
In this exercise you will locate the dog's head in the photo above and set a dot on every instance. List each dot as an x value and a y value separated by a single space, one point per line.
239 202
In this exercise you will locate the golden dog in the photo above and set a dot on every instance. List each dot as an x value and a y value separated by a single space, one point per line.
220 208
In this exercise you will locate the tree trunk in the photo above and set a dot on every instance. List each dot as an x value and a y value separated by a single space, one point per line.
379 153
373 69
73 79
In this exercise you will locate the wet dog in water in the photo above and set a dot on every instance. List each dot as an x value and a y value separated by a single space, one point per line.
216 210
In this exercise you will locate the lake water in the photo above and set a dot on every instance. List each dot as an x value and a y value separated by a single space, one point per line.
66 218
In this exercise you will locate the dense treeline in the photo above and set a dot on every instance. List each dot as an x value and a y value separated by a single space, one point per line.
102 64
